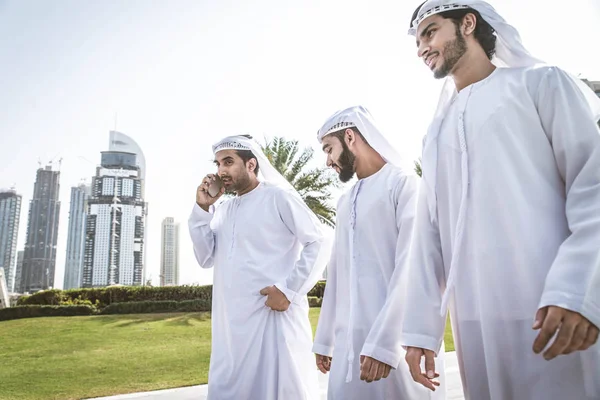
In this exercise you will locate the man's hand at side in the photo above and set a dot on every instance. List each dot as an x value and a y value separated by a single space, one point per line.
276 300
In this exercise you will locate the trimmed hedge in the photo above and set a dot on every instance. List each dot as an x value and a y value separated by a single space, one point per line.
314 301
318 290
144 307
33 311
123 300
103 297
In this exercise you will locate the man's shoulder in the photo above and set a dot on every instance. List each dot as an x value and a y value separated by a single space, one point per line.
533 76
398 177
275 191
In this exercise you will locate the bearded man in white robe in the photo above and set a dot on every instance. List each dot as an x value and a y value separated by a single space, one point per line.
373 229
507 231
264 244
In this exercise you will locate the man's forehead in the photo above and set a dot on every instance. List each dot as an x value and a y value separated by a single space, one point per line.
329 140
437 19
223 154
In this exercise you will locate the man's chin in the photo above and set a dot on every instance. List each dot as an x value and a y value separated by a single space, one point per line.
346 177
440 74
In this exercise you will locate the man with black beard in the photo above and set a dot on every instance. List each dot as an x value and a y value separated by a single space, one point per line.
373 230
264 245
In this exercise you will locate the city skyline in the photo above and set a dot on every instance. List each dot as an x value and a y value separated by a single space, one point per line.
62 90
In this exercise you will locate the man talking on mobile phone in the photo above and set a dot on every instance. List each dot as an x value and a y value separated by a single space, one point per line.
264 244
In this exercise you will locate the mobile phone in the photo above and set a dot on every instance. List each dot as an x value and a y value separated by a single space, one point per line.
215 186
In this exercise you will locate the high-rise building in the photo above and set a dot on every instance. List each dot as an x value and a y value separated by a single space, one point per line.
76 237
10 212
19 272
4 298
119 141
115 225
169 253
39 260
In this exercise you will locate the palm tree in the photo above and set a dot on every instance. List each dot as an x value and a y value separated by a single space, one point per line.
418 168
314 185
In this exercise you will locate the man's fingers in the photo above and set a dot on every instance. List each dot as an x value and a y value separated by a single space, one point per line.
564 337
429 364
373 370
578 338
264 291
321 364
365 368
549 326
591 338
376 371
414 365
387 371
540 316
327 363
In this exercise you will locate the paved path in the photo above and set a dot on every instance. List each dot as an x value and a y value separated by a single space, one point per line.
453 387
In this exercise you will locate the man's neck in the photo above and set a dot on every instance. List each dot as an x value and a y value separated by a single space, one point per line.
368 165
253 185
472 69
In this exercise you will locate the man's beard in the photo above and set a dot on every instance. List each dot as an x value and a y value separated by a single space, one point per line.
346 164
240 183
453 52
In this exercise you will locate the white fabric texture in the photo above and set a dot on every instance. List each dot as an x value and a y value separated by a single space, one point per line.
368 261
265 237
531 234
510 52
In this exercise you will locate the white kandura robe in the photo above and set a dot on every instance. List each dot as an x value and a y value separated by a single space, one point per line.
267 236
531 237
365 263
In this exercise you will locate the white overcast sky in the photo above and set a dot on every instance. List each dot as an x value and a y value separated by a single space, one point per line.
182 73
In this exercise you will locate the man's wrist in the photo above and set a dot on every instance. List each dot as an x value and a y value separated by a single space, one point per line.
204 207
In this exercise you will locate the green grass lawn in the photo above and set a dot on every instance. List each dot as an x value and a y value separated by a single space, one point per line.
81 357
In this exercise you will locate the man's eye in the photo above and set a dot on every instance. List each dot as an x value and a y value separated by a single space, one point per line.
430 33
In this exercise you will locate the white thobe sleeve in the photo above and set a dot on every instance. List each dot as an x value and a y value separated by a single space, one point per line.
573 282
203 237
305 226
325 334
422 324
383 342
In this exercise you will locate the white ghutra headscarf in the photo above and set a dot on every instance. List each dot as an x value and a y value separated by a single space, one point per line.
360 118
510 52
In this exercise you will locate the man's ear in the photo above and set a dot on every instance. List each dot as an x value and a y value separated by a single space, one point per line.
349 136
469 23
252 164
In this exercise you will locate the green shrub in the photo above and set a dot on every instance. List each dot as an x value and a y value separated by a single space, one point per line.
33 311
103 297
144 307
314 301
318 290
